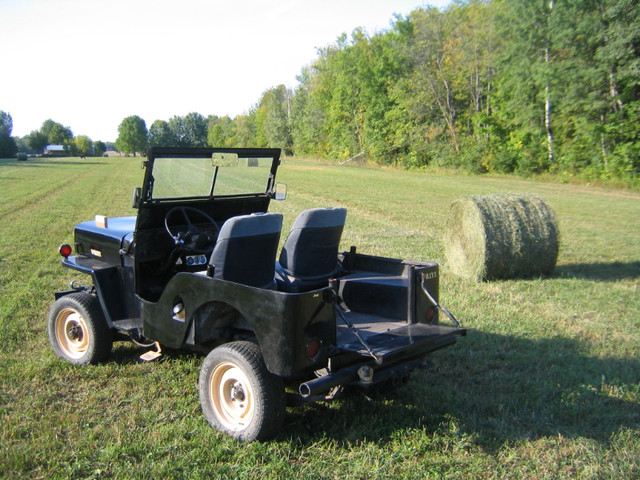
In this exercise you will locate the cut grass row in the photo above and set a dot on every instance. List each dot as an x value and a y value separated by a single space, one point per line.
546 384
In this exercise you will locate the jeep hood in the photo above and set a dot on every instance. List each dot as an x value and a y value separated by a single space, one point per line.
104 240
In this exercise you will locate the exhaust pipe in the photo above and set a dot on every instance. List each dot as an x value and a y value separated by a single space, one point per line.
324 384
364 373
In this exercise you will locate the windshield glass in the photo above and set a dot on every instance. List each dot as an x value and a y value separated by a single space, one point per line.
203 177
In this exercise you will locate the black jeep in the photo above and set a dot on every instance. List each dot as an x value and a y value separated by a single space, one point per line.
198 269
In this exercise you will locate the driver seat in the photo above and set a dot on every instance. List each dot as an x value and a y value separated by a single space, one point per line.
245 250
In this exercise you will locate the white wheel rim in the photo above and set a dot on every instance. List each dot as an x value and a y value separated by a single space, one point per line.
72 333
232 397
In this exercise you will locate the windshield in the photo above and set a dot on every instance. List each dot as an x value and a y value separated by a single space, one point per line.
177 177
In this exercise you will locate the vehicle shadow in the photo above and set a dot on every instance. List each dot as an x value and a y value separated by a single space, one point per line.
126 352
493 389
490 388
603 272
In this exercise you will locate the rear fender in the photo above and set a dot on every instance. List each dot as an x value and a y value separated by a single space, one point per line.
283 324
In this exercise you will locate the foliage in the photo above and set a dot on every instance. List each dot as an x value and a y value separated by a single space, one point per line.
60 135
52 132
83 146
526 86
99 148
8 147
160 134
23 144
37 140
6 124
272 119
188 131
482 85
220 131
55 133
132 135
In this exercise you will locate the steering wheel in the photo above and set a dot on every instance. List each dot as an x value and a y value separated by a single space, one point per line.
193 240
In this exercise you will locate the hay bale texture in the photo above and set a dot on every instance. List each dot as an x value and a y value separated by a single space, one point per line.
501 236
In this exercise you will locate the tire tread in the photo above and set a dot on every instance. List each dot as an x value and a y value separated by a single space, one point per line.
272 401
89 306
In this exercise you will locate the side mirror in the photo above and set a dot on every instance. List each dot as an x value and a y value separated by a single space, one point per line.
281 192
135 197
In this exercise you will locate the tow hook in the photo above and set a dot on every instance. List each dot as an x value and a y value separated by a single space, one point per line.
366 374
77 288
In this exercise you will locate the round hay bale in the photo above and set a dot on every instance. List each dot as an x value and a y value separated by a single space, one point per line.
501 236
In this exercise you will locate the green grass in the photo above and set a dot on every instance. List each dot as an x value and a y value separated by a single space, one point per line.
546 384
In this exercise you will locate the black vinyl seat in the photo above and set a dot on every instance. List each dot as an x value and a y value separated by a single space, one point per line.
309 257
246 248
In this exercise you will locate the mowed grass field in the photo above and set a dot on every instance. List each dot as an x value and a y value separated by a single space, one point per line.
545 385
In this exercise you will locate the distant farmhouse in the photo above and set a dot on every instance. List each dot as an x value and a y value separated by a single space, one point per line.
54 151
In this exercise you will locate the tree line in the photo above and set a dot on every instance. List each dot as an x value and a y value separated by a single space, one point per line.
498 85
525 86
50 133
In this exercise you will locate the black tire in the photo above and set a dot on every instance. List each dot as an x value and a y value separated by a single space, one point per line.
238 395
77 329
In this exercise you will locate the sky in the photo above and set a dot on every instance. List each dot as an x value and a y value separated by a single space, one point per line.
88 64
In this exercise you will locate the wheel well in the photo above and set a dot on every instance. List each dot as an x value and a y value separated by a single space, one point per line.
218 322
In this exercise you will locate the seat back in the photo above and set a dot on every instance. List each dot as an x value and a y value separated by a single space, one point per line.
309 256
246 249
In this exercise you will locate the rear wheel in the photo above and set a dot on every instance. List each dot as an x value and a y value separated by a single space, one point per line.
77 329
239 396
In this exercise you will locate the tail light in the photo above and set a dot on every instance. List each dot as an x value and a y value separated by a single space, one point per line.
65 250
313 348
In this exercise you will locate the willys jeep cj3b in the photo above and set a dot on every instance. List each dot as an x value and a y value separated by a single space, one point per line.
198 269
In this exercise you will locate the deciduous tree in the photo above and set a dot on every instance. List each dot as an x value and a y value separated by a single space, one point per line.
132 135
83 146
160 134
99 148
221 131
8 147
188 131
38 140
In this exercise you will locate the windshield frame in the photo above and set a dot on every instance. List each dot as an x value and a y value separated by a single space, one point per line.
206 153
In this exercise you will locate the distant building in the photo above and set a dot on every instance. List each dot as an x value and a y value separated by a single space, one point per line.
54 151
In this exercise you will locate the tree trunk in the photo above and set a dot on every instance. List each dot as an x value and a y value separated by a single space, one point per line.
547 100
547 113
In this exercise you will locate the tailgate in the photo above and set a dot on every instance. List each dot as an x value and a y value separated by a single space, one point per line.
396 351
406 340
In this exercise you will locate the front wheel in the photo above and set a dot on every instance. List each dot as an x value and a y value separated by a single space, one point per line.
239 396
77 329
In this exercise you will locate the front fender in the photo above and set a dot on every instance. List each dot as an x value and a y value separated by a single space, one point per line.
107 280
